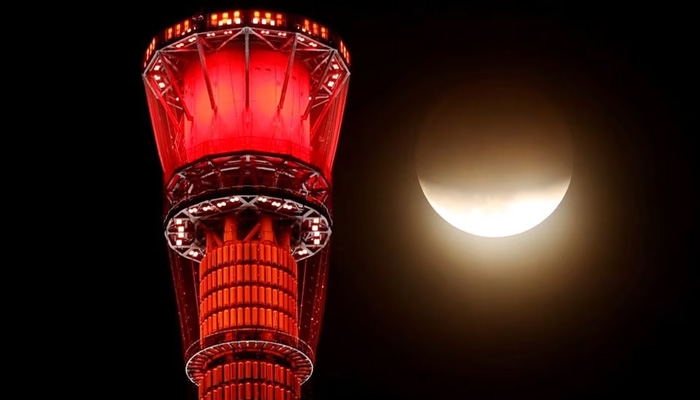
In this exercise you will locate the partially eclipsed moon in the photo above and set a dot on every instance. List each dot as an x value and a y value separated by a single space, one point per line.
495 215
494 158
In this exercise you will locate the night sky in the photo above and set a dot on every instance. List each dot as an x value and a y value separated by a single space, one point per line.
595 302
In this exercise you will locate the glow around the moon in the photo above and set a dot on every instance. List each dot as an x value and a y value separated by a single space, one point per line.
494 156
495 215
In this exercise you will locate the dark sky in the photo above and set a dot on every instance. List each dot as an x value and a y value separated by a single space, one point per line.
592 303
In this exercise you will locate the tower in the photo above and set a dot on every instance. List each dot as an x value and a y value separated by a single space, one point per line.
246 108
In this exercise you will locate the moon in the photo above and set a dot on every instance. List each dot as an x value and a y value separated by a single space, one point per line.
494 157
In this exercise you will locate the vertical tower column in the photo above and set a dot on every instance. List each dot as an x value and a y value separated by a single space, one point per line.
248 284
246 108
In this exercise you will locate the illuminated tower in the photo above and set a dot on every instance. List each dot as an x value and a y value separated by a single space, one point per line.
246 109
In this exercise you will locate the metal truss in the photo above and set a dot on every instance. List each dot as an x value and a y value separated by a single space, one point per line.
294 350
238 173
163 75
224 184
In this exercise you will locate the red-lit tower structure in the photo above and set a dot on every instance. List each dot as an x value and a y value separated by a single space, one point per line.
246 108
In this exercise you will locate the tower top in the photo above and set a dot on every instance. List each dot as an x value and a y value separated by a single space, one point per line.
233 19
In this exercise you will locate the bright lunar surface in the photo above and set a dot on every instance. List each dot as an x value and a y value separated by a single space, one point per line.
494 157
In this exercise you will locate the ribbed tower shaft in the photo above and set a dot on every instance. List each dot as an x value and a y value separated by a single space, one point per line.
260 294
